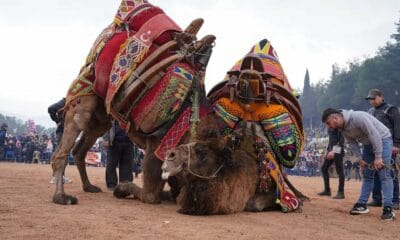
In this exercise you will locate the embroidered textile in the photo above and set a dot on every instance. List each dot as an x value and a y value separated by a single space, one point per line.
174 135
163 100
126 9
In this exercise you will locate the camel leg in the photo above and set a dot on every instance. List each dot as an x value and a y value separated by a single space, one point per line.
77 119
261 202
296 192
59 160
88 139
126 189
93 121
152 181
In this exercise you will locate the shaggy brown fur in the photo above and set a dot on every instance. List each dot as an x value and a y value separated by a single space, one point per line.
234 187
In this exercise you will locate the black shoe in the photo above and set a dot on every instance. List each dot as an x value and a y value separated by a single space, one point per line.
396 206
387 214
324 193
359 208
339 195
374 204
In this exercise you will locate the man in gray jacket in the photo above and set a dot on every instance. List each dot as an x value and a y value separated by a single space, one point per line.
360 127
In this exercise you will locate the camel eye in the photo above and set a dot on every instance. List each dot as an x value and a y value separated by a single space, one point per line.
201 152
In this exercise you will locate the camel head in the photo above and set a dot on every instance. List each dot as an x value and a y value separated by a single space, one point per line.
203 158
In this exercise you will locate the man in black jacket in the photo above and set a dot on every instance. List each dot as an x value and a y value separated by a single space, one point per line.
57 115
120 153
335 153
389 115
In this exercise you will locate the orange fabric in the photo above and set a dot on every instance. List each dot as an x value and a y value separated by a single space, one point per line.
252 112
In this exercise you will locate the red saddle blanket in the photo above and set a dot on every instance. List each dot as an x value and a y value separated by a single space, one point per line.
127 46
138 30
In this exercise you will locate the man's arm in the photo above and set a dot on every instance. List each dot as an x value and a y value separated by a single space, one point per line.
54 108
334 138
366 125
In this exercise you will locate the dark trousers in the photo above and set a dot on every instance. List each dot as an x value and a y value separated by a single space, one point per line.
2 153
338 160
347 173
357 175
377 191
120 153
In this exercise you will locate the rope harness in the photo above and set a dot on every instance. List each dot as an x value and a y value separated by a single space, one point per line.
196 174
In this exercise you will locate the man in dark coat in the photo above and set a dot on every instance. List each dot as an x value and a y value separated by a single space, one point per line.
120 153
335 153
389 115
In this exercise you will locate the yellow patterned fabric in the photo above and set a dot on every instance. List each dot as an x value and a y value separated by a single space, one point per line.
280 128
81 86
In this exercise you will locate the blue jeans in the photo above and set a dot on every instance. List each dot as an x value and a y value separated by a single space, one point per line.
377 191
384 174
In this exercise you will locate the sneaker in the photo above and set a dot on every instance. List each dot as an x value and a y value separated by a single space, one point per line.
324 193
339 195
396 206
387 214
359 208
53 180
374 204
66 180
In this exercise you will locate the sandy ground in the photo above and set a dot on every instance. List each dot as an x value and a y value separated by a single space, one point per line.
27 212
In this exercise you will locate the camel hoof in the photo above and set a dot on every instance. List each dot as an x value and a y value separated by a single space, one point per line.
64 199
123 190
150 198
92 189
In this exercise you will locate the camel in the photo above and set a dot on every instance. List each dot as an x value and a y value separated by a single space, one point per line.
260 119
215 179
143 49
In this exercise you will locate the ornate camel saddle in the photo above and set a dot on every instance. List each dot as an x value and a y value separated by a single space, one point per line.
257 90
146 68
256 96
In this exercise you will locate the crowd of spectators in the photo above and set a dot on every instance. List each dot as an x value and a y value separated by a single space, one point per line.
35 148
28 148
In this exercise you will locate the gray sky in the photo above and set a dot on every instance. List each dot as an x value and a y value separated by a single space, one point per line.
44 43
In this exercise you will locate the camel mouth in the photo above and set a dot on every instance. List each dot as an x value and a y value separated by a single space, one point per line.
168 173
165 175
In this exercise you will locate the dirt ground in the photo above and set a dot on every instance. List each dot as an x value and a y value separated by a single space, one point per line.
27 212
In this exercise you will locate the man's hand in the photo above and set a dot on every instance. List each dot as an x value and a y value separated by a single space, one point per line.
395 150
363 164
330 155
378 164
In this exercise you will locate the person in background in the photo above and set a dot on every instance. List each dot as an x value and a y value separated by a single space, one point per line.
356 168
389 115
120 153
360 127
56 112
347 169
3 137
335 153
138 158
